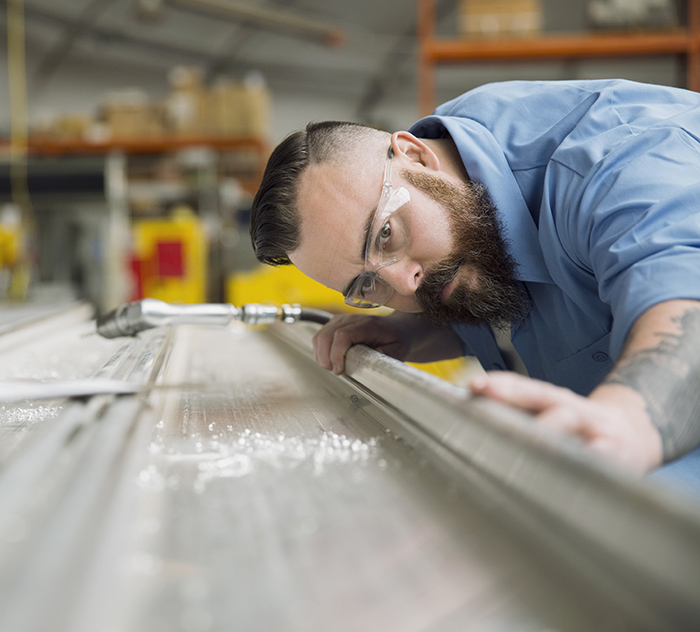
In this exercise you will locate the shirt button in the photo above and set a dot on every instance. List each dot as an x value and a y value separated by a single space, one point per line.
599 356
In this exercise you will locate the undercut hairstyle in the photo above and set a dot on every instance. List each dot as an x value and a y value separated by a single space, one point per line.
275 224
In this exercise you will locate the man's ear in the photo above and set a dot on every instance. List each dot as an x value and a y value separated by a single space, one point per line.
409 149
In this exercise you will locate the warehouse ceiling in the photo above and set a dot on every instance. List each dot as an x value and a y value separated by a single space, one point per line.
313 54
359 49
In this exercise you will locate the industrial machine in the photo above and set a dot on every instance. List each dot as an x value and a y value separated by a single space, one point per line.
239 486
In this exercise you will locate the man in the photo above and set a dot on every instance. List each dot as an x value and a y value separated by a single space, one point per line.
564 213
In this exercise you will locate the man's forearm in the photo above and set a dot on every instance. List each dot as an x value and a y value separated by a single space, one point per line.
661 362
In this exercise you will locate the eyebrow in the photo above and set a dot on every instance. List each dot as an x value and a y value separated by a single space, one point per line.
363 253
368 229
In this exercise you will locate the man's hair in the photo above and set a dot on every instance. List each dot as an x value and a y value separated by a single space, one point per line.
275 226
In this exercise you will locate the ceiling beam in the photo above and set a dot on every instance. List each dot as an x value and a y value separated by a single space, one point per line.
268 18
79 27
57 54
60 19
302 78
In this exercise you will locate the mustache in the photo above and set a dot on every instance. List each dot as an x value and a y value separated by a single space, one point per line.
435 281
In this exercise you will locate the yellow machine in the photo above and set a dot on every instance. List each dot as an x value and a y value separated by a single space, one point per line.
284 284
170 256
15 269
10 243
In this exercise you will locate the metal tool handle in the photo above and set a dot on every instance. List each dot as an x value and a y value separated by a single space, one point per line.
131 318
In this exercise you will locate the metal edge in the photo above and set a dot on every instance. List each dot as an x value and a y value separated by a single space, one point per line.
49 565
645 535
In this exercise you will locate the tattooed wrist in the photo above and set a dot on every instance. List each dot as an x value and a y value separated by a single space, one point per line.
667 376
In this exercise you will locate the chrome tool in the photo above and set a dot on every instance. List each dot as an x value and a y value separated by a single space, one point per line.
131 318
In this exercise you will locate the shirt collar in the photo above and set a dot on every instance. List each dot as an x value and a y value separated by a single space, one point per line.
486 164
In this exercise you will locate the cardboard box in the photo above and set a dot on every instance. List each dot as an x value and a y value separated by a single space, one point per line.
66 127
133 122
191 109
238 109
491 18
130 114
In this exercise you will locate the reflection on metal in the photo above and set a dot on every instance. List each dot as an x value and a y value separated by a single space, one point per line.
249 489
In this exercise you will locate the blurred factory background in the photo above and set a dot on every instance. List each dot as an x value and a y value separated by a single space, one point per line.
134 132
214 478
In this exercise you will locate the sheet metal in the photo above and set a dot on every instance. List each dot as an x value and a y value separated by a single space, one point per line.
249 489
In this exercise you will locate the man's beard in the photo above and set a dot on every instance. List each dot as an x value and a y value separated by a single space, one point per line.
496 298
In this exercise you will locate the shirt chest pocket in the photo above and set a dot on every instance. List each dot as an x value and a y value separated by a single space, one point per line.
585 369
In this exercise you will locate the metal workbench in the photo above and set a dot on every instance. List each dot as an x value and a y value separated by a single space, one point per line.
244 488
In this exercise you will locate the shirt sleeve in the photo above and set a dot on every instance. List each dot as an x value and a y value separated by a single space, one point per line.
634 223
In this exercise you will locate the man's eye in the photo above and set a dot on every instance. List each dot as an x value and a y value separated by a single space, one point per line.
366 286
384 235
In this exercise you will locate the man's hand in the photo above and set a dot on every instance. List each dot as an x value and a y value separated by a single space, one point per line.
646 411
402 336
332 341
611 421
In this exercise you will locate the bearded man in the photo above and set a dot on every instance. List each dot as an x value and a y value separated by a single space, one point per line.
565 215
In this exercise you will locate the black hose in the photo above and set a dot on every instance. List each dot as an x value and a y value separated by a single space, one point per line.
315 315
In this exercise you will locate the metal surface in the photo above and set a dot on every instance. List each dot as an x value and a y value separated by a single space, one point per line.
251 490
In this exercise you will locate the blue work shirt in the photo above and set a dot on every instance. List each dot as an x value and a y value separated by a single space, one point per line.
597 184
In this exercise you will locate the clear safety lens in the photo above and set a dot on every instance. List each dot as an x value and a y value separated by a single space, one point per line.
388 239
369 290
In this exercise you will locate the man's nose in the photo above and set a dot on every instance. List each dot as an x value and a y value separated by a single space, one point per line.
404 276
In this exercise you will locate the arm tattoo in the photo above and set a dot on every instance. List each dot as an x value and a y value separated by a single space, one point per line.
668 378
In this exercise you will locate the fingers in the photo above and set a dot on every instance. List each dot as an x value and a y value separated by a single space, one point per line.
606 428
333 340
324 342
561 419
555 408
343 339
521 392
